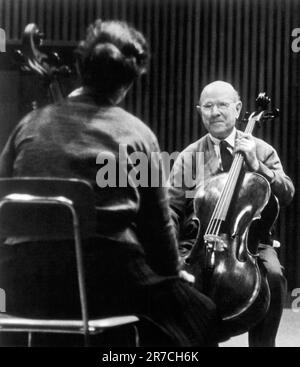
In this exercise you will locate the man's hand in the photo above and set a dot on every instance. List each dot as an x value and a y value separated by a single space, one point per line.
247 146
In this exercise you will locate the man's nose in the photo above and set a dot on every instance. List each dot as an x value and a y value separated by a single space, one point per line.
215 110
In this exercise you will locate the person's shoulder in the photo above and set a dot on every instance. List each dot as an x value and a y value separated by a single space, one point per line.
126 115
28 123
33 116
135 125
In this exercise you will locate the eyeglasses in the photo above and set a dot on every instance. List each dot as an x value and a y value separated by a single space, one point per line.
221 106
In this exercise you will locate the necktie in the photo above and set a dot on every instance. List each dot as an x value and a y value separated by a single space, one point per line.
226 156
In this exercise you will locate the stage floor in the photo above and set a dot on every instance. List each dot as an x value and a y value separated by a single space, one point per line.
288 333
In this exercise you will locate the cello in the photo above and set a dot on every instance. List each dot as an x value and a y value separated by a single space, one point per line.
48 67
224 263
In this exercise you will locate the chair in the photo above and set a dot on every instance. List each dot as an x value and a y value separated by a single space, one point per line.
54 209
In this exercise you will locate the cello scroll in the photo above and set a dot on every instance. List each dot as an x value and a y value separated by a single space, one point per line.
47 66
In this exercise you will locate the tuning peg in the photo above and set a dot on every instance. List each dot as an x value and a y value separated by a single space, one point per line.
40 34
20 59
18 56
34 105
54 58
262 101
245 118
276 112
270 115
64 70
39 37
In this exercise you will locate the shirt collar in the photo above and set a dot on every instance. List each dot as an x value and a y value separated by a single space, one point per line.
85 93
230 138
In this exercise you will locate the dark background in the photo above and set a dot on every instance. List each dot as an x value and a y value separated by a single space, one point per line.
193 42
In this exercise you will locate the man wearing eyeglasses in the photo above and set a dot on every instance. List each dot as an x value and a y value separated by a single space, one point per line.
219 107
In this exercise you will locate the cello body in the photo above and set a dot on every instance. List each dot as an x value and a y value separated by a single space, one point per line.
224 267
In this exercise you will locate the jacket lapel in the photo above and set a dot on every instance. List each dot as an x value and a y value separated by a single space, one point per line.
211 162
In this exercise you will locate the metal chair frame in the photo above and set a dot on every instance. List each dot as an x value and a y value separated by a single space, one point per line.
85 326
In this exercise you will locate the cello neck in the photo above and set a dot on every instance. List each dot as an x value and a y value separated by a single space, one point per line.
223 204
253 119
55 91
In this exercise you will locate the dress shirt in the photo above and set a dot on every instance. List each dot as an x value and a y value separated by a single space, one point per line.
216 143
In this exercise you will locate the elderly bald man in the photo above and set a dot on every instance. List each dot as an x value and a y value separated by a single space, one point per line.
219 107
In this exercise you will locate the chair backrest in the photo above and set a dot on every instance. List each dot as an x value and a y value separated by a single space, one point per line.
48 209
47 221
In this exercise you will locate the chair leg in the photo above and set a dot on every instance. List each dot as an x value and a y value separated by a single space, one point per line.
29 342
86 340
81 279
136 336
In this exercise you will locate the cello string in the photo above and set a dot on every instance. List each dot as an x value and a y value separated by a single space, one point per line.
229 187
228 192
217 211
213 224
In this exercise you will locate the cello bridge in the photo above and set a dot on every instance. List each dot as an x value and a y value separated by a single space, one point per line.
214 243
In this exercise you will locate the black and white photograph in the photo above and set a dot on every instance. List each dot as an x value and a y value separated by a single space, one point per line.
149 176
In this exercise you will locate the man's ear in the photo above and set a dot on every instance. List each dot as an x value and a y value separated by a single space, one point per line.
199 110
238 108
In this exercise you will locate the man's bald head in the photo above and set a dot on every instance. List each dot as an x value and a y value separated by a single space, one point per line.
219 106
221 87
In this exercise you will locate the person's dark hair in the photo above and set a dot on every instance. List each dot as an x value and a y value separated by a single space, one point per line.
112 56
